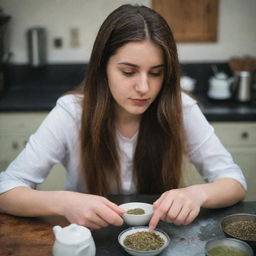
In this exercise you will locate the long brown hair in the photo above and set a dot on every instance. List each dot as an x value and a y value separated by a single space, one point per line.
159 150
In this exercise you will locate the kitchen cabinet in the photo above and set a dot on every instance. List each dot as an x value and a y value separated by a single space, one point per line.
190 20
15 130
240 141
238 137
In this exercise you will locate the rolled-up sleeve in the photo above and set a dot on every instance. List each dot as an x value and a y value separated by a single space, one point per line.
204 148
46 147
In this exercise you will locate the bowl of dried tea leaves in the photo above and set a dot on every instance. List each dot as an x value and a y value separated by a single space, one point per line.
241 226
137 213
140 241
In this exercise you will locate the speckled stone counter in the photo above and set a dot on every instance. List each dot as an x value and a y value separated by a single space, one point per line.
185 240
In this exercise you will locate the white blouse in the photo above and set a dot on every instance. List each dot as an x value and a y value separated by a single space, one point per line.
57 141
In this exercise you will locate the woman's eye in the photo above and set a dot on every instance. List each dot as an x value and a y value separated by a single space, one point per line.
155 73
128 73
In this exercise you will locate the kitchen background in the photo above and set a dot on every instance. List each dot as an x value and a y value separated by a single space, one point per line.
236 28
29 90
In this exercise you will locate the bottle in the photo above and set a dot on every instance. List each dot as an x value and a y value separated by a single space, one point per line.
36 41
242 86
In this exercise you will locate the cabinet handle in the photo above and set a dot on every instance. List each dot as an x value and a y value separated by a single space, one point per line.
244 135
15 145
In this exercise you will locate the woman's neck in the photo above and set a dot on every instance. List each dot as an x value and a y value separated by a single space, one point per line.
127 124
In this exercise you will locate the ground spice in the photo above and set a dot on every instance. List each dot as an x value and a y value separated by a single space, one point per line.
136 211
226 251
144 241
244 229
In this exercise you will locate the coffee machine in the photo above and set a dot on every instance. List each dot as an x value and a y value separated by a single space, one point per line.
4 54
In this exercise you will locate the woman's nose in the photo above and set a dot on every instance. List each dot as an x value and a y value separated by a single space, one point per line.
142 85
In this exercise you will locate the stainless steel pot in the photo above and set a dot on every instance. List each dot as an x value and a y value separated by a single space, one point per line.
36 41
242 86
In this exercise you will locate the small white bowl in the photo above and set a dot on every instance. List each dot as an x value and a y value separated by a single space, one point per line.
133 252
137 220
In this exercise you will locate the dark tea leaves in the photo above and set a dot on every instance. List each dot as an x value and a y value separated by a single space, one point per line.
136 211
144 241
244 229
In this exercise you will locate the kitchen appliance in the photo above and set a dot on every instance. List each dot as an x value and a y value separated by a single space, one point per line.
36 42
220 86
4 55
242 86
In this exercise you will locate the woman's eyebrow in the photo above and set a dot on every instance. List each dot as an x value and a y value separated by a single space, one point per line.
136 66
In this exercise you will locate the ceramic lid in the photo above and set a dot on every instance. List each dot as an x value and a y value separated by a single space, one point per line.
221 75
73 234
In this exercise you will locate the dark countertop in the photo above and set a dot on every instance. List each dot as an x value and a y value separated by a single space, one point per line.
186 240
37 89
21 236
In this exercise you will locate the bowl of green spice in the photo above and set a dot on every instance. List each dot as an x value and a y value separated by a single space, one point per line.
240 226
140 241
137 213
227 247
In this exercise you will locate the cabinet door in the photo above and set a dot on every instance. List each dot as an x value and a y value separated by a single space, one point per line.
15 130
11 145
240 141
190 20
246 159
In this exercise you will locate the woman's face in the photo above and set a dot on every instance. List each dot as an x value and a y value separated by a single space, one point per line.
135 76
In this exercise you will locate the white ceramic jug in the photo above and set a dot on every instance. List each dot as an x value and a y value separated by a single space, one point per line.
219 86
73 240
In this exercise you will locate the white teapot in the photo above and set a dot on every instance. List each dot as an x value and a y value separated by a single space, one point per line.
73 240
219 86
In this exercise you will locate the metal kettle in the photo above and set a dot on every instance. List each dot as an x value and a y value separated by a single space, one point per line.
36 42
242 86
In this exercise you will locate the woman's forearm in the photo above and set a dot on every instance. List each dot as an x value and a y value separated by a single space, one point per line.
22 201
221 193
84 209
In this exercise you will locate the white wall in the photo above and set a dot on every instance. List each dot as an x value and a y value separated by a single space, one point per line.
237 33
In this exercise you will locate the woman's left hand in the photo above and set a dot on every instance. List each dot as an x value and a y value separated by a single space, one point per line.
178 206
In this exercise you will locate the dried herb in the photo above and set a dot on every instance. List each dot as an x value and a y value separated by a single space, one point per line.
243 229
226 251
136 211
144 241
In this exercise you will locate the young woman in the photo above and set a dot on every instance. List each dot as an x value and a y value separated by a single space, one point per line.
125 130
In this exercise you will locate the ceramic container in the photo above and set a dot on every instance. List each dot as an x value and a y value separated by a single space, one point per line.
137 220
73 240
220 87
229 242
133 230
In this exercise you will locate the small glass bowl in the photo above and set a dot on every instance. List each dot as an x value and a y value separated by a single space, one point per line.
133 230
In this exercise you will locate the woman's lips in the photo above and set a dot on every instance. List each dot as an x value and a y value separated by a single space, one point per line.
140 102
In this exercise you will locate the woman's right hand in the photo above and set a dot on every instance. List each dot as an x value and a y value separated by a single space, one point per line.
91 211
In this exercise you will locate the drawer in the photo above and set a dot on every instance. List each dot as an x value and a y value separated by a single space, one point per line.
13 123
236 134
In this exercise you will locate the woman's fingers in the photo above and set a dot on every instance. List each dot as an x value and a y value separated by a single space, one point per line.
176 206
161 207
110 216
